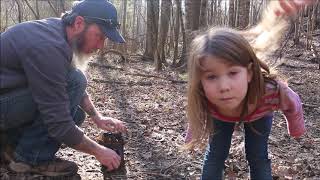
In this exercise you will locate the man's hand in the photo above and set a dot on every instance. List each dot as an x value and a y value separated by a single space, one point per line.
108 158
109 124
105 156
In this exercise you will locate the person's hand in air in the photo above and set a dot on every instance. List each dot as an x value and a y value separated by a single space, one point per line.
289 7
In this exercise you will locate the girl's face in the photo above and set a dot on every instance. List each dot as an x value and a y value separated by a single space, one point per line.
225 85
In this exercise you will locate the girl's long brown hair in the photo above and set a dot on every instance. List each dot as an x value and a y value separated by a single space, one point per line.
239 47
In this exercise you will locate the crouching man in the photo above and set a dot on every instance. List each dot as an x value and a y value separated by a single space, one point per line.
43 96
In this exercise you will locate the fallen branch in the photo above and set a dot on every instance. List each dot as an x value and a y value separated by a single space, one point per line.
123 83
104 66
291 66
158 77
296 83
155 174
113 51
311 105
172 164
315 53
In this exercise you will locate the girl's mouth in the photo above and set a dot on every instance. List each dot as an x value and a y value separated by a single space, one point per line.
226 99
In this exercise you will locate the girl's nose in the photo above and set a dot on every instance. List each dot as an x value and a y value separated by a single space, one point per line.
224 85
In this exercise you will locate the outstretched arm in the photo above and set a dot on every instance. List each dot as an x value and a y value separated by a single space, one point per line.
289 7
104 155
105 123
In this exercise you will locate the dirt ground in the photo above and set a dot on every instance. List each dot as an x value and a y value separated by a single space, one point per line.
153 106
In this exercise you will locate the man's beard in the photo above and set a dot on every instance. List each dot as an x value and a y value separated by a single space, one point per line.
80 60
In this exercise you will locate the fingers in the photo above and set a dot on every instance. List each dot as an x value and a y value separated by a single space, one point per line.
112 165
121 127
112 125
302 2
112 162
290 7
116 126
287 7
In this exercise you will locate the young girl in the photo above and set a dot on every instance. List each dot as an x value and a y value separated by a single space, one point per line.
227 85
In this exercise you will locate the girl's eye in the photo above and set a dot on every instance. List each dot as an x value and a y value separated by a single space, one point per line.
233 73
211 77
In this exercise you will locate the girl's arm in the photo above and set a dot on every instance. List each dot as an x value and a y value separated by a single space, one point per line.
292 6
290 105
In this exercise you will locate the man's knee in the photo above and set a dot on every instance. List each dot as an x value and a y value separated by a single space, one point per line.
79 116
17 109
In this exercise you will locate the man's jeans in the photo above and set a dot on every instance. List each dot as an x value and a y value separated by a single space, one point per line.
256 145
24 127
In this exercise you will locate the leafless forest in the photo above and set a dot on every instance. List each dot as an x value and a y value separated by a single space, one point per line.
143 83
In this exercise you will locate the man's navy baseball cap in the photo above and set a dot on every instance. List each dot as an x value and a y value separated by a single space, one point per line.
103 13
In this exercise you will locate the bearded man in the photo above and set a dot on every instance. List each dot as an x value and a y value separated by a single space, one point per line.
43 96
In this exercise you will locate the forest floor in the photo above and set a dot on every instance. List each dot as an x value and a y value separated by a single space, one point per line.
153 105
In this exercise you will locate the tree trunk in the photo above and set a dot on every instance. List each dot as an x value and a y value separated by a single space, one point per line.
296 38
183 59
314 16
19 10
176 33
139 22
192 14
37 8
62 5
123 27
163 32
133 46
215 10
6 24
171 31
256 12
56 12
213 3
192 20
309 29
231 13
244 12
152 29
203 14
36 14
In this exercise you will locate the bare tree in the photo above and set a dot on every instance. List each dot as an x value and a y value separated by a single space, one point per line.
203 14
163 32
35 12
56 12
133 27
183 59
192 14
152 29
231 13
62 5
297 32
176 32
244 12
124 22
19 5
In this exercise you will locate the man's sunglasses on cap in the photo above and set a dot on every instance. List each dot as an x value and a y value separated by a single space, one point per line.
108 22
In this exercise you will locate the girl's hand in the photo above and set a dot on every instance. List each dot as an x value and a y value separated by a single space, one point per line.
109 124
290 7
